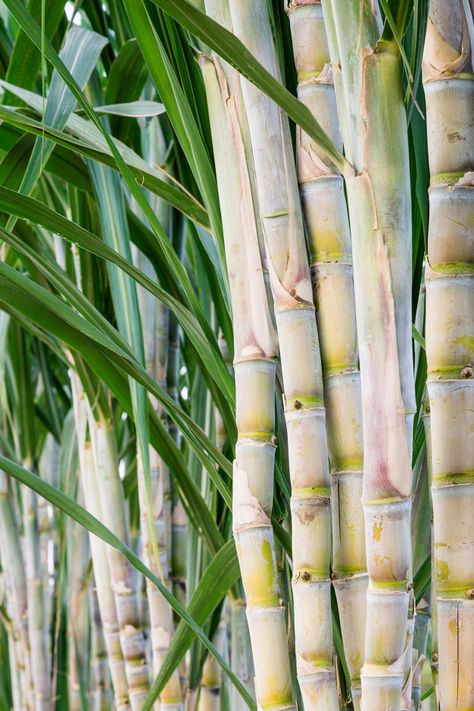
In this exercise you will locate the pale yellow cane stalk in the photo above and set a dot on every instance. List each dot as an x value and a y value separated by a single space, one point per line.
241 654
254 366
78 610
210 698
290 280
449 90
11 558
14 675
369 94
109 504
100 564
122 575
329 242
48 468
100 674
40 657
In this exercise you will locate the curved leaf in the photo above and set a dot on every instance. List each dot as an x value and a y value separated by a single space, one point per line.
234 51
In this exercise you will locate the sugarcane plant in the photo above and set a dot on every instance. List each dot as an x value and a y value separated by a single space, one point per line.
236 355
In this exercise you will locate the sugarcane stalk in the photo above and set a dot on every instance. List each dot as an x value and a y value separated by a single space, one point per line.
329 243
155 319
290 280
241 653
78 613
40 658
254 366
100 563
100 692
48 468
434 616
15 680
369 93
240 647
11 557
122 575
448 73
210 693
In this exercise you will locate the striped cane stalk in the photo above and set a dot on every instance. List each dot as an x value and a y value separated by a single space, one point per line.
290 281
369 94
329 242
254 367
449 90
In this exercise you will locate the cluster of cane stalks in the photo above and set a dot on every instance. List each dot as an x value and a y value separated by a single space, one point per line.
236 355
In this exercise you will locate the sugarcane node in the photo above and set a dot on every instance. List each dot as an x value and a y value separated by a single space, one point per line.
466 372
274 440
470 593
305 576
434 658
298 404
410 586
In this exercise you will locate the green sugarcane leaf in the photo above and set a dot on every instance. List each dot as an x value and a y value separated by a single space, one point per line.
143 174
30 209
217 579
25 59
234 51
80 515
418 337
427 694
124 294
80 54
31 28
89 132
62 163
57 317
179 112
127 74
132 109
195 507
24 405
